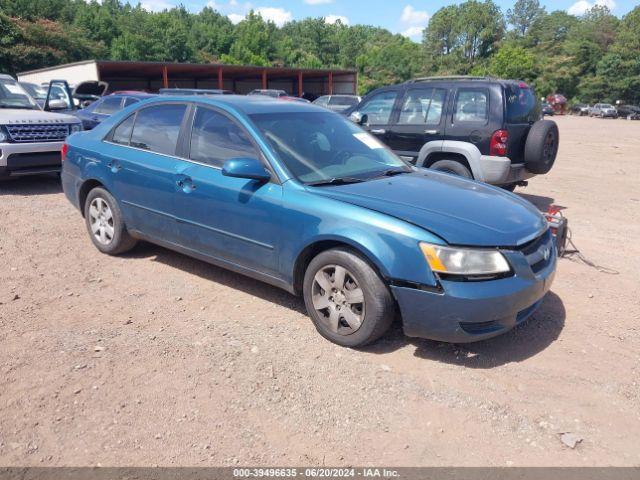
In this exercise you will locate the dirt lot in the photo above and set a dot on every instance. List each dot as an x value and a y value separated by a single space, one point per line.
158 359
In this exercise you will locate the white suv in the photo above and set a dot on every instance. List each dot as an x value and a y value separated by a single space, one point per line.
30 138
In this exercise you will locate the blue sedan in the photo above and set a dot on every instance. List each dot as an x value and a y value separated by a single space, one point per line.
106 106
301 198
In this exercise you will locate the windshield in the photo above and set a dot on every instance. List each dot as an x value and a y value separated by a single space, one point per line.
12 95
320 146
36 91
344 101
606 105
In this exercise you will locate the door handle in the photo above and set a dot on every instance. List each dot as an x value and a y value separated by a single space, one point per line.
431 132
378 131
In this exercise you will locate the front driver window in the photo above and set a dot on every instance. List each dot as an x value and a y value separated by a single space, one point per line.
379 107
215 139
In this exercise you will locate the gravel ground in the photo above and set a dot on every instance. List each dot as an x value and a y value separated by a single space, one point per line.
157 359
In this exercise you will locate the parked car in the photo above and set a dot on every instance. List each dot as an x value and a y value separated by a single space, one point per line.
547 109
194 91
603 110
107 106
37 92
630 112
304 199
580 109
266 92
476 127
30 138
338 103
278 95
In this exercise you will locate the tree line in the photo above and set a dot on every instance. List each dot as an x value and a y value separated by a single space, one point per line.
589 58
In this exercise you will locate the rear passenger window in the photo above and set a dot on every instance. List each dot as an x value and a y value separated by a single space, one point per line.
472 105
122 133
215 139
157 128
422 107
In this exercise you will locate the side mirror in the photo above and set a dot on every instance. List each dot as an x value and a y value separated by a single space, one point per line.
356 117
250 168
58 104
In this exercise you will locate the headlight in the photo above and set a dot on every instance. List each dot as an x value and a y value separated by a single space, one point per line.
464 261
3 136
76 127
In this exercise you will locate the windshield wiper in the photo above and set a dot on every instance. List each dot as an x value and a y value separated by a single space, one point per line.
391 172
335 181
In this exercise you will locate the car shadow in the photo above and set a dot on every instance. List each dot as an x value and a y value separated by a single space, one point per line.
524 341
31 185
218 275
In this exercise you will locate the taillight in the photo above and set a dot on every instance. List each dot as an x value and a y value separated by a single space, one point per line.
63 151
499 140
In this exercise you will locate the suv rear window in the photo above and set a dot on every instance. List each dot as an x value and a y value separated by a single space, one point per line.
472 105
522 106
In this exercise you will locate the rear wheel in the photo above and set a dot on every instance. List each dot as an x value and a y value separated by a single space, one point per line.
105 224
346 299
452 167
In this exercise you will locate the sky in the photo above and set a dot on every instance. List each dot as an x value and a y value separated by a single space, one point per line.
408 17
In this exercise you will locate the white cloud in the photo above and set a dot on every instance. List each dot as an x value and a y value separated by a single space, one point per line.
156 5
414 32
414 22
317 2
331 19
581 6
411 16
279 16
235 18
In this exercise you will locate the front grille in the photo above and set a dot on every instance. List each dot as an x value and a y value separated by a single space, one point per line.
478 328
539 251
38 133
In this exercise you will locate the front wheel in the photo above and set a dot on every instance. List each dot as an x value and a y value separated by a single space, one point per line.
346 299
105 224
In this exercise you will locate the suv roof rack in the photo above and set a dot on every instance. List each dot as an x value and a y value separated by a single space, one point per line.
448 77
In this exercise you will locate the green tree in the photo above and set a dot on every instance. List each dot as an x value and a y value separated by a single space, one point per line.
524 14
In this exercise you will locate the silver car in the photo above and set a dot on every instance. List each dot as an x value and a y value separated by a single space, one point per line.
603 110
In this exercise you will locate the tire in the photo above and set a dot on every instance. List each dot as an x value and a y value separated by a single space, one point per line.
510 187
541 147
452 166
368 319
105 225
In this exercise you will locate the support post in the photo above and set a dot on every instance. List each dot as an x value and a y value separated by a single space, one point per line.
165 77
220 82
264 79
330 83
300 92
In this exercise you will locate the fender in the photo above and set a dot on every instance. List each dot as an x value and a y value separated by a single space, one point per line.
466 149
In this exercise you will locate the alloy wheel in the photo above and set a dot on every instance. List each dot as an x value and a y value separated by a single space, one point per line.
338 299
101 221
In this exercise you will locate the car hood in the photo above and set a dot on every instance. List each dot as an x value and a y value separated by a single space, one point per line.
460 211
18 116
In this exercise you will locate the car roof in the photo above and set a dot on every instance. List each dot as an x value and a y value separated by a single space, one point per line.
248 105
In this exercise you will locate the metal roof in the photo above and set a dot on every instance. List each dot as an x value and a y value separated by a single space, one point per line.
127 68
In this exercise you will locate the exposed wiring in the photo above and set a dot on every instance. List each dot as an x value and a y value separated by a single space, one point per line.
575 255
